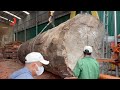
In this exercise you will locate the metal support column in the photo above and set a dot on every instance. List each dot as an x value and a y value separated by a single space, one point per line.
104 36
95 14
115 28
105 43
13 33
25 31
25 36
117 70
115 35
14 36
36 24
72 14
106 27
17 33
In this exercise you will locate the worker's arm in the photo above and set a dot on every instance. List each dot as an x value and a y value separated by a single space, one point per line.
76 71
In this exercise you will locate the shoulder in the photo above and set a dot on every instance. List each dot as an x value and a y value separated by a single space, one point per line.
80 62
23 73
24 76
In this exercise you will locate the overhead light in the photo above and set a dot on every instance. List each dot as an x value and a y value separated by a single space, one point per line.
3 18
6 19
12 14
26 12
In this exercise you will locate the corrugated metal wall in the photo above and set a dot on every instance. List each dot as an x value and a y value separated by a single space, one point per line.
21 36
111 21
31 32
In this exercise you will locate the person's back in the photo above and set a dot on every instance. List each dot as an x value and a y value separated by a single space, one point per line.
87 68
23 73
33 67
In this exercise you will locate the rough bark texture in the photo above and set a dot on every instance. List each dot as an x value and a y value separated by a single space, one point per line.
63 45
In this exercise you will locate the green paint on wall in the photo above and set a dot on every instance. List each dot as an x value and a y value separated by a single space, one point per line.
111 21
31 32
21 36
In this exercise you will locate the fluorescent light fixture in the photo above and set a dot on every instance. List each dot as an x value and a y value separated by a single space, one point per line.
12 14
3 18
26 12
6 19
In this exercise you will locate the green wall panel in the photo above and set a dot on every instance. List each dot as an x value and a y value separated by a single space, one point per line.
100 13
111 23
61 19
41 26
21 36
118 22
30 33
56 22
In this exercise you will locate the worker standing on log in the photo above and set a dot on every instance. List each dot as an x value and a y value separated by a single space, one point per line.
51 18
87 67
33 67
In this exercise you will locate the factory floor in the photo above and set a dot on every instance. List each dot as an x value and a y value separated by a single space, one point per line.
8 66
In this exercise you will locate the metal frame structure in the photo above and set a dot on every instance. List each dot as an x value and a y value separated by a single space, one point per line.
105 44
38 20
36 24
115 35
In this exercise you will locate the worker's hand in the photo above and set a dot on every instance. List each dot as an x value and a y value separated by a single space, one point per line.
70 78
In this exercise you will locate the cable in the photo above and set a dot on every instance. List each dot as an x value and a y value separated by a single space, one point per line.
38 35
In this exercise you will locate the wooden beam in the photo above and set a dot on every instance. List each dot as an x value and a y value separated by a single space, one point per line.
103 76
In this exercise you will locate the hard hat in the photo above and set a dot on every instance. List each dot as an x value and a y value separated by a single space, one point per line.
89 48
34 57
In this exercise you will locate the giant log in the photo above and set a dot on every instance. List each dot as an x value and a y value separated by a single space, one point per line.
63 45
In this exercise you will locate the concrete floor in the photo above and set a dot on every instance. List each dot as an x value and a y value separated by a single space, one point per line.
8 66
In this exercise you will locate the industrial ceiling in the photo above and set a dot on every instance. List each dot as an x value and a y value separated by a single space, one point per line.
6 18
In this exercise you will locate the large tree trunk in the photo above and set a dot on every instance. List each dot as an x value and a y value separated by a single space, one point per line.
63 45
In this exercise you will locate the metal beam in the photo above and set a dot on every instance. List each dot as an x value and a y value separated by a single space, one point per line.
104 35
12 14
115 35
115 28
36 24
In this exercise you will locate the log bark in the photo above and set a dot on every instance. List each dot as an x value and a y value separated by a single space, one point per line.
63 45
